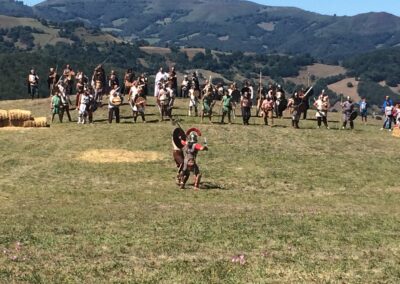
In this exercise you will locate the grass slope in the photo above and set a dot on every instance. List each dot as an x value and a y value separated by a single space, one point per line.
302 205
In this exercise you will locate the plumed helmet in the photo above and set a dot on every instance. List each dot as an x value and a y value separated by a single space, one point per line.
193 137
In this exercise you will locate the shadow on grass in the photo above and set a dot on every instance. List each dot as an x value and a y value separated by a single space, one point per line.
211 186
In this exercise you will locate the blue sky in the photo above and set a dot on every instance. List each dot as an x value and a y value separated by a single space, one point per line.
328 7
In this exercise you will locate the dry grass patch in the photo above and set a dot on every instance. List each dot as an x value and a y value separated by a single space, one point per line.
342 88
101 156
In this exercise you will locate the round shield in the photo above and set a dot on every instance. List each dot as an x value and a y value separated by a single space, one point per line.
177 136
353 115
117 101
140 101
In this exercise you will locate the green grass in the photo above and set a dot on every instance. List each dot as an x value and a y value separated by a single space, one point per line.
302 205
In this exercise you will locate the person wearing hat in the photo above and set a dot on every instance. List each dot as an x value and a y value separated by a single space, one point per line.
33 84
347 110
190 150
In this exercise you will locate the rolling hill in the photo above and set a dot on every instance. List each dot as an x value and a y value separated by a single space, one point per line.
231 25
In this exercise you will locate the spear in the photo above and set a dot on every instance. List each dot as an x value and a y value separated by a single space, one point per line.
259 96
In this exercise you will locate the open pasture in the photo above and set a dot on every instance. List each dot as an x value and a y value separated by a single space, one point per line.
277 205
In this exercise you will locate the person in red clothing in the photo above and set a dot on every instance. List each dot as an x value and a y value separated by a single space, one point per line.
190 150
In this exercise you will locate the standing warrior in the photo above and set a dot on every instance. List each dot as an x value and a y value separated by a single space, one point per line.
267 108
144 84
348 110
114 103
65 100
190 150
185 87
193 101
163 100
226 107
295 108
113 80
173 80
208 102
160 77
364 109
52 80
235 94
137 101
55 107
322 105
33 84
99 83
195 82
68 75
245 103
281 102
260 98
85 101
129 77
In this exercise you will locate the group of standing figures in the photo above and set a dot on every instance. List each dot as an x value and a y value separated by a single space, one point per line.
91 92
268 103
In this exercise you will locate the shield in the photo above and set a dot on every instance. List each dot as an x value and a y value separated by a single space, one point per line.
198 132
353 115
117 101
140 101
177 136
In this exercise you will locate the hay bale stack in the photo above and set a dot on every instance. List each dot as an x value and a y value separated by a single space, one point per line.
17 117
41 122
4 121
396 132
29 123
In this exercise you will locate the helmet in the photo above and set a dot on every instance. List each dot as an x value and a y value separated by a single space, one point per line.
193 137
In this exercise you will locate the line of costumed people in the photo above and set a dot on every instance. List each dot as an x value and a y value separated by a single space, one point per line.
269 102
90 93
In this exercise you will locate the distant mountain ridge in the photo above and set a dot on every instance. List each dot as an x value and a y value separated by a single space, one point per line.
229 25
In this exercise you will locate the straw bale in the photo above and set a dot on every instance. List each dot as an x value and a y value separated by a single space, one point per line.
41 122
3 114
396 132
29 123
18 114
4 118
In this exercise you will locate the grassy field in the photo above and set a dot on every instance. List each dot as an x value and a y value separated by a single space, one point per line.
301 206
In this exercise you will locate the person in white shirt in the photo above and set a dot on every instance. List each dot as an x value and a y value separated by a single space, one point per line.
160 76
